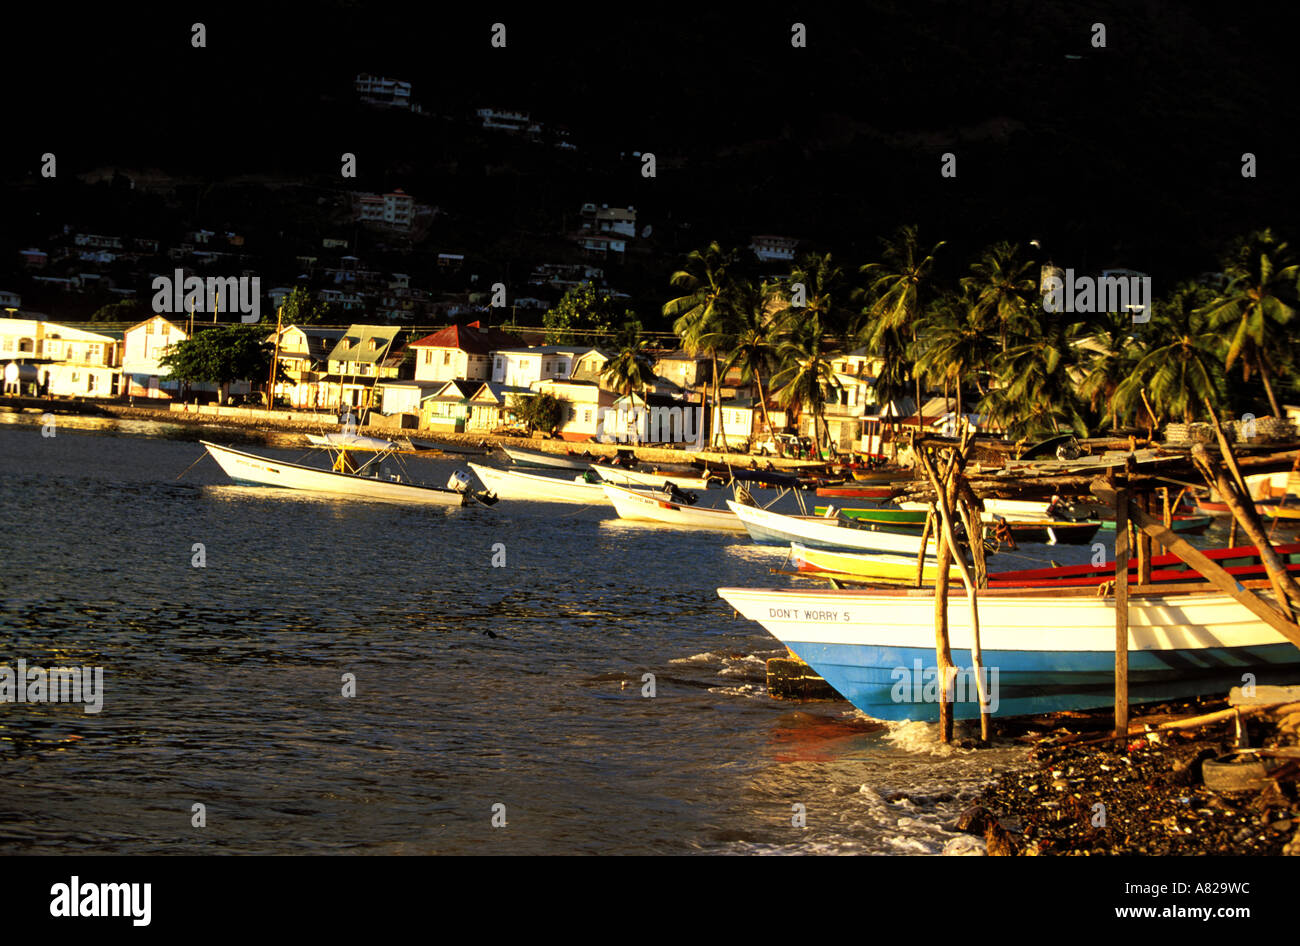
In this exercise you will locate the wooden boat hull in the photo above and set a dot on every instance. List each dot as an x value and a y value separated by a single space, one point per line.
514 485
1042 653
536 458
652 507
621 477
912 522
855 492
249 469
771 528
829 563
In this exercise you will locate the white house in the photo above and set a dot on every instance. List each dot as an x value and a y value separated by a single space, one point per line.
522 367
459 351
584 402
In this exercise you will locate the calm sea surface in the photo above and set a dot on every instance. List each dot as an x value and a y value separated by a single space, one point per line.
476 686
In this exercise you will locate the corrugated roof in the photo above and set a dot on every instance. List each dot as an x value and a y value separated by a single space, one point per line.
355 345
469 338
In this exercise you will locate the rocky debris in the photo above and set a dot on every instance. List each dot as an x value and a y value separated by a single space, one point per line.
1143 796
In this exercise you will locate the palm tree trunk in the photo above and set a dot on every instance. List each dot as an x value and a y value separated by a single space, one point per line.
762 401
1268 386
717 403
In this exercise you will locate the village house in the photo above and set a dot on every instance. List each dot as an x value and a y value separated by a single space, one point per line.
365 354
143 344
63 361
460 351
304 356
583 402
490 406
448 409
522 367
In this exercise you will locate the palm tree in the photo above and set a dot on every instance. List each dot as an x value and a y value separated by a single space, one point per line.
1035 391
952 344
1179 376
1260 298
1112 355
755 337
808 332
702 313
1002 286
806 374
631 370
899 290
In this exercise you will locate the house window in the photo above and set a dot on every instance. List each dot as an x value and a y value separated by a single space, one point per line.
374 344
446 358
586 417
428 356
164 329
148 328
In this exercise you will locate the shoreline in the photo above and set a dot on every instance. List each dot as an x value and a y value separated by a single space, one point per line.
256 420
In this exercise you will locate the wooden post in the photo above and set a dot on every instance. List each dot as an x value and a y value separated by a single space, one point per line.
946 495
942 652
925 541
1168 516
1121 611
1232 534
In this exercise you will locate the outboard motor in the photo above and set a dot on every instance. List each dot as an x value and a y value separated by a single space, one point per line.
681 497
460 481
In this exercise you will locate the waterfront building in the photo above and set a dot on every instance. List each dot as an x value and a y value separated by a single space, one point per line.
460 351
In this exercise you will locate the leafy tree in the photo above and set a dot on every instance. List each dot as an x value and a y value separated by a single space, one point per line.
806 374
543 412
219 355
1035 390
581 316
301 308
1260 298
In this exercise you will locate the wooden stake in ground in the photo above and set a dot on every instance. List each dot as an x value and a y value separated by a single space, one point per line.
1121 610
946 493
942 652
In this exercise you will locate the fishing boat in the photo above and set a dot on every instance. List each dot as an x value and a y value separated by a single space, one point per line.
621 476
513 484
1285 514
345 479
772 528
1044 650
863 567
912 521
883 477
1183 523
653 507
845 568
536 458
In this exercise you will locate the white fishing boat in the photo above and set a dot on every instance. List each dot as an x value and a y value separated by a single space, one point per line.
513 484
1013 510
252 470
537 458
1043 650
631 478
773 528
654 507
